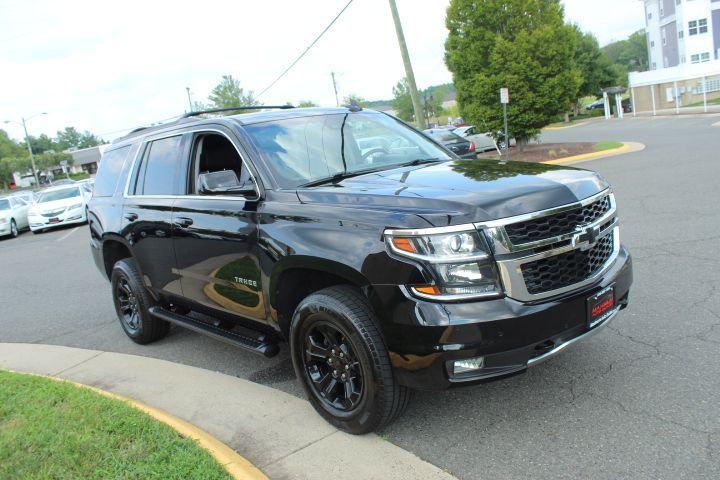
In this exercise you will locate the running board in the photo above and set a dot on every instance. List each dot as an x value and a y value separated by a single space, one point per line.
258 345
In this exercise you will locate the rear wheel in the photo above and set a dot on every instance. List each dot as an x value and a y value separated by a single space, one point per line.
132 302
341 361
13 228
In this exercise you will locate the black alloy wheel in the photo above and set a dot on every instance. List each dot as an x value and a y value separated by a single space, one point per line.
129 310
342 363
332 366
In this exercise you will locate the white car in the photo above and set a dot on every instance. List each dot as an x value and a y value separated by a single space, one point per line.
57 206
482 141
13 216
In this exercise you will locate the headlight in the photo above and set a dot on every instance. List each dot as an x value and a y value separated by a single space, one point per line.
458 258
73 207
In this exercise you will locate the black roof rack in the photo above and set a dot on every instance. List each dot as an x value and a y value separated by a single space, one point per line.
230 109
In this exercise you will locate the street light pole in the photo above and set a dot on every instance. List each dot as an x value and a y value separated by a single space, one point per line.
417 106
32 158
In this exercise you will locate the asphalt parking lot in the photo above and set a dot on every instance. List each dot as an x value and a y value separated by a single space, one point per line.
639 400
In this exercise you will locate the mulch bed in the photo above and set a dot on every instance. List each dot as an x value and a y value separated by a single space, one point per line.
542 152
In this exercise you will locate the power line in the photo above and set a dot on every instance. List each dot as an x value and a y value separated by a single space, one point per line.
304 51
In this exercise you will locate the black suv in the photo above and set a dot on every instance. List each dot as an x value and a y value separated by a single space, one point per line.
384 261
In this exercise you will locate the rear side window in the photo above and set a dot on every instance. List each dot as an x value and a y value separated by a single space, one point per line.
111 165
158 171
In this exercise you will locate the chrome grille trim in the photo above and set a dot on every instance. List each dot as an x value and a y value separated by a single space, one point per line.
510 258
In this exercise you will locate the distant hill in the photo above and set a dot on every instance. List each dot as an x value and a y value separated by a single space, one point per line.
448 90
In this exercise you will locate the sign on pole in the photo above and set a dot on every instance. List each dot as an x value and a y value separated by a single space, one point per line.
505 99
504 96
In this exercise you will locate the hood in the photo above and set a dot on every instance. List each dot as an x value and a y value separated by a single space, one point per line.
56 205
462 191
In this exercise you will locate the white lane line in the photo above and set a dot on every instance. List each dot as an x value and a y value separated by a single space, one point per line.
67 234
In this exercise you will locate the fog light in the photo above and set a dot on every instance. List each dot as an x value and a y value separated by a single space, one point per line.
468 365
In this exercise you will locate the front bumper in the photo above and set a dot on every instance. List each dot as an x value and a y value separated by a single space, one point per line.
5 229
509 334
40 222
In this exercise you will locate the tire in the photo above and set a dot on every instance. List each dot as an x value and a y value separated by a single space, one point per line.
372 397
132 301
13 228
37 232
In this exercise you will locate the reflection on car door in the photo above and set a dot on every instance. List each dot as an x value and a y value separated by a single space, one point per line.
215 237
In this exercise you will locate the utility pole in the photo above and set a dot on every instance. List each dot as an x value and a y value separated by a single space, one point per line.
32 158
189 100
337 101
417 106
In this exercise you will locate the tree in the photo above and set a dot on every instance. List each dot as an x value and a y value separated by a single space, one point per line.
41 144
595 67
68 138
88 140
355 98
631 53
9 165
523 45
49 160
229 93
402 103
306 104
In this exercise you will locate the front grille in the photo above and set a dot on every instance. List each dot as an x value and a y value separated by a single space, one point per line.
558 224
566 269
53 213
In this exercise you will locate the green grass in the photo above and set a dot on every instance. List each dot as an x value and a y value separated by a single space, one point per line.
599 147
55 430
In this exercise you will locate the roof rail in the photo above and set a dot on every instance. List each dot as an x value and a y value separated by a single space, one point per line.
230 109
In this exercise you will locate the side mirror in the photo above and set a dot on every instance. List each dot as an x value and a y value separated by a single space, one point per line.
224 181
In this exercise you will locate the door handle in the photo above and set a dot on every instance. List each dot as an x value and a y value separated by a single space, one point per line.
131 217
183 221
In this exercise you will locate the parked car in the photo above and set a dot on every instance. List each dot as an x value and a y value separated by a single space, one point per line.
412 269
600 105
482 141
63 181
452 141
26 195
13 215
59 205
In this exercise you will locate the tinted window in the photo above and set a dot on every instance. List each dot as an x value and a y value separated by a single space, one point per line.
111 164
303 150
158 170
444 137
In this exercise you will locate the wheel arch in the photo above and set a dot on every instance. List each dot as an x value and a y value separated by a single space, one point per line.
114 248
298 276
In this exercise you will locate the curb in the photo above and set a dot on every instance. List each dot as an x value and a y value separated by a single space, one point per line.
627 147
584 122
234 464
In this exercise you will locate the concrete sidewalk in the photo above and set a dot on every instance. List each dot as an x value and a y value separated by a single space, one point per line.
280 434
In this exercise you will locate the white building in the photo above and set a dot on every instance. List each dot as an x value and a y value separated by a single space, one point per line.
682 31
683 41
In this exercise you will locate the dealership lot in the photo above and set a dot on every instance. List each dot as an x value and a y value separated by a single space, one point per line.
639 400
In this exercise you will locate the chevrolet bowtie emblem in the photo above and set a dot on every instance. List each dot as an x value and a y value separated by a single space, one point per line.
586 237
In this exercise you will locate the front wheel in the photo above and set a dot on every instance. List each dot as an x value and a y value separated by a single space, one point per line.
132 301
13 228
342 362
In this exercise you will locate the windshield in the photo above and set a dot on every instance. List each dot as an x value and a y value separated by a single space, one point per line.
59 195
306 149
4 204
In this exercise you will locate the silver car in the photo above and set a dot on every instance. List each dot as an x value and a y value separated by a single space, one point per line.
482 141
13 216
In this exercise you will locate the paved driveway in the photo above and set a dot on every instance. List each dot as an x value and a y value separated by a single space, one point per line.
640 400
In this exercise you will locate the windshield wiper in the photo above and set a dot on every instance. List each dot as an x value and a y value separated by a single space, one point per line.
421 161
337 177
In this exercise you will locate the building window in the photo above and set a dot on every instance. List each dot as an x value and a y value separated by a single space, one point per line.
695 58
682 58
692 27
705 57
677 2
681 34
654 66
649 15
664 38
702 25
652 43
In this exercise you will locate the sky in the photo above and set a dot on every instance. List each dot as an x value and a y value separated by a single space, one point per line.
109 66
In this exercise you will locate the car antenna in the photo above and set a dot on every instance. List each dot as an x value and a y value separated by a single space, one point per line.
354 106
